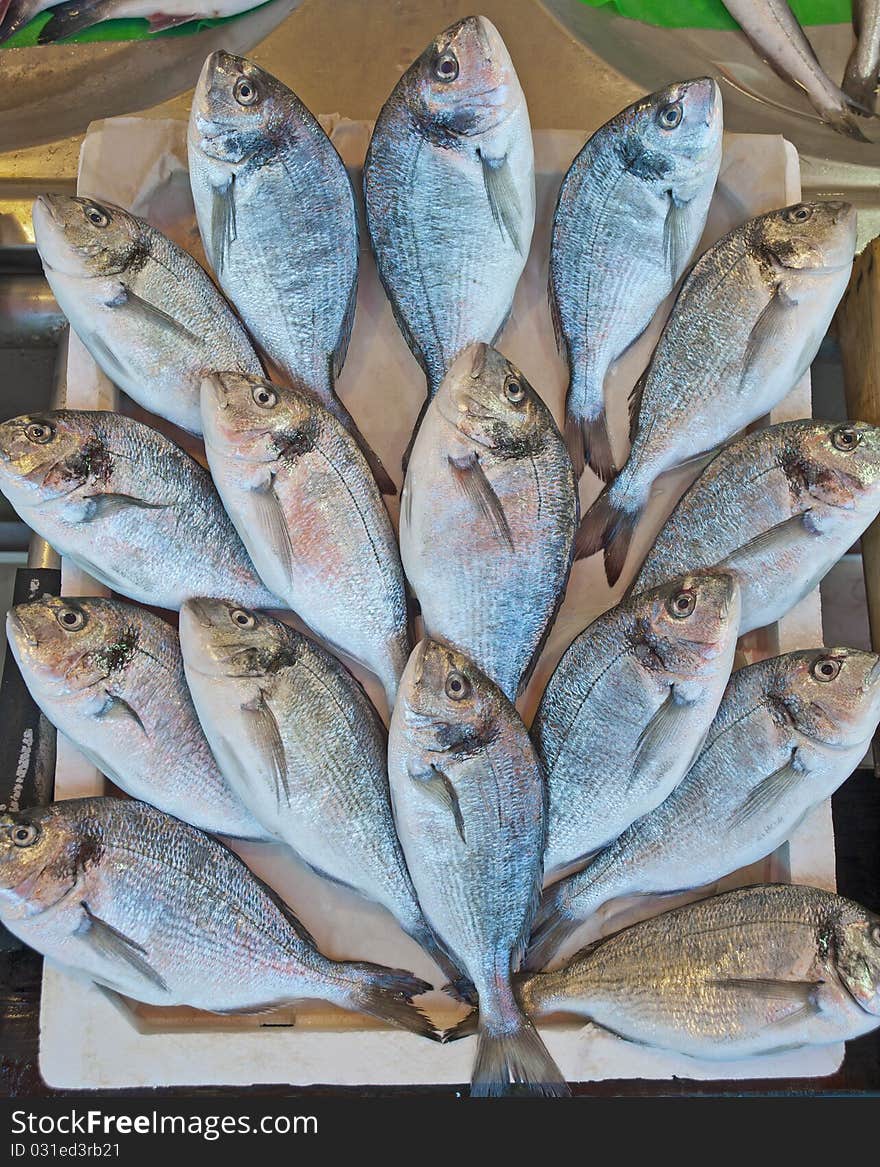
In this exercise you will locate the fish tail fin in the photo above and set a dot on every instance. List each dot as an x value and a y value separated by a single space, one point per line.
72 17
589 444
510 1053
846 123
387 993
608 526
861 90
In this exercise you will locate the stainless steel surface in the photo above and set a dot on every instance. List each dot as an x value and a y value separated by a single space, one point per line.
29 316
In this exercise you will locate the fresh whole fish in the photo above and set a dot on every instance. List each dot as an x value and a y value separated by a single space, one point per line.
126 505
631 211
309 511
777 508
469 803
758 970
303 747
774 33
144 309
110 677
628 707
789 731
75 16
450 194
488 513
278 219
744 328
863 67
154 909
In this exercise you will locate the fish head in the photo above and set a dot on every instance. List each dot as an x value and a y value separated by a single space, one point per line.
688 627
220 639
490 402
72 645
837 464
43 853
808 237
675 134
44 456
255 420
855 951
464 83
238 106
831 696
82 237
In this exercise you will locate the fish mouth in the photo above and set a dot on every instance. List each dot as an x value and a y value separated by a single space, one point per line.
15 625
218 391
200 611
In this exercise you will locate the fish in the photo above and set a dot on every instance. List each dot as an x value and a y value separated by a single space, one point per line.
449 187
309 511
304 748
745 326
628 707
777 508
152 908
278 219
788 732
469 803
75 16
630 214
754 971
772 30
489 509
126 505
110 677
863 67
148 314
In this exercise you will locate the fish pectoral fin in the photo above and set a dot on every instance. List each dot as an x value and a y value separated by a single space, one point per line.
766 989
469 475
224 230
114 945
767 331
272 524
677 235
772 790
149 313
118 709
263 726
634 404
106 358
503 198
663 731
102 506
775 539
437 786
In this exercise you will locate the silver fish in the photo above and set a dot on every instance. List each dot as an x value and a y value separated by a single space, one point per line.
469 802
144 309
126 505
304 749
631 211
75 16
777 508
301 494
863 67
110 677
278 219
152 908
628 707
774 33
744 328
450 194
789 731
755 971
489 509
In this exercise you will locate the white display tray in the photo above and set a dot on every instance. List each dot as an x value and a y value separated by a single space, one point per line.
92 1040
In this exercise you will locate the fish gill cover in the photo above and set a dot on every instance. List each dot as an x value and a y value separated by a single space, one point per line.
713 14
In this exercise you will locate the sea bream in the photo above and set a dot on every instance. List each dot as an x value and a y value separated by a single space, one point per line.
75 16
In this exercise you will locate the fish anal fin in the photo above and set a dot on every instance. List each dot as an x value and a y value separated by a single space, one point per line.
469 475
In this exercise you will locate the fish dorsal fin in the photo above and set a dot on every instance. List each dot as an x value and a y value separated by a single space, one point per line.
469 475
116 947
503 198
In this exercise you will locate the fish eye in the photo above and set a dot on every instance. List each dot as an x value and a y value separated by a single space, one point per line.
875 934
682 604
264 397
446 66
457 686
670 115
96 216
24 834
70 619
243 619
40 432
799 214
826 668
514 391
846 438
246 92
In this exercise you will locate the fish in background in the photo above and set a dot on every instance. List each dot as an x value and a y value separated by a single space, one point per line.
630 214
110 677
449 185
278 220
305 750
746 324
149 315
777 508
488 513
128 506
628 707
152 908
863 67
758 970
309 511
789 731
75 16
774 33
469 802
